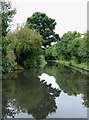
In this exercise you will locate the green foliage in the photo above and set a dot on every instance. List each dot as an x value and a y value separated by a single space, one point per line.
21 47
7 14
40 61
6 41
8 57
51 53
79 50
27 47
71 47
45 26
9 64
64 43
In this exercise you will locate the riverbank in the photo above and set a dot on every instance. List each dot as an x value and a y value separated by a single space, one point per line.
19 68
83 67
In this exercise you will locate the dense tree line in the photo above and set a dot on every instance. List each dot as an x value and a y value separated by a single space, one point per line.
72 46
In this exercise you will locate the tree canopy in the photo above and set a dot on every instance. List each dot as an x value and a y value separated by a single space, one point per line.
7 13
72 46
43 25
27 46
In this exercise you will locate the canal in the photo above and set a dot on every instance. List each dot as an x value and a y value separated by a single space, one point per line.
52 91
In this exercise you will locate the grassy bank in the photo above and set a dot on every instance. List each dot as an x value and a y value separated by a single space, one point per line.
82 67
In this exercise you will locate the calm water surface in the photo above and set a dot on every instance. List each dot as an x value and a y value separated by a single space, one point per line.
54 91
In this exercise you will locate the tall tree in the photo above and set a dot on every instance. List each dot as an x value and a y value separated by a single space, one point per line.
43 25
7 14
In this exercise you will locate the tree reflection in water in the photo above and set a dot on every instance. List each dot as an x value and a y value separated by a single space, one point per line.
70 81
28 95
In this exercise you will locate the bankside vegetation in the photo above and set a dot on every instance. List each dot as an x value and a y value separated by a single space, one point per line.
23 48
72 47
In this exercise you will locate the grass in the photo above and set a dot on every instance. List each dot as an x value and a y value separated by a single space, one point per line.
70 63
82 65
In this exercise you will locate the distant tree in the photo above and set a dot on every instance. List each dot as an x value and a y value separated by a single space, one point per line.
64 45
43 25
7 14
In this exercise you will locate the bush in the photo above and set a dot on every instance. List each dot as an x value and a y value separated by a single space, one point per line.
28 46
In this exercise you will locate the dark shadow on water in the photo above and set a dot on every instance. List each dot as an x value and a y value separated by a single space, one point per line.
27 94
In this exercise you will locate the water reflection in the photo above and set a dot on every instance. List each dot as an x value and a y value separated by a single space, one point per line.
28 95
34 92
49 80
71 81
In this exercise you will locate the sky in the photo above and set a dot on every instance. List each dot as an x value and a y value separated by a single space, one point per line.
70 15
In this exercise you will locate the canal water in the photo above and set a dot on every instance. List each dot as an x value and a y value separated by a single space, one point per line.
53 91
